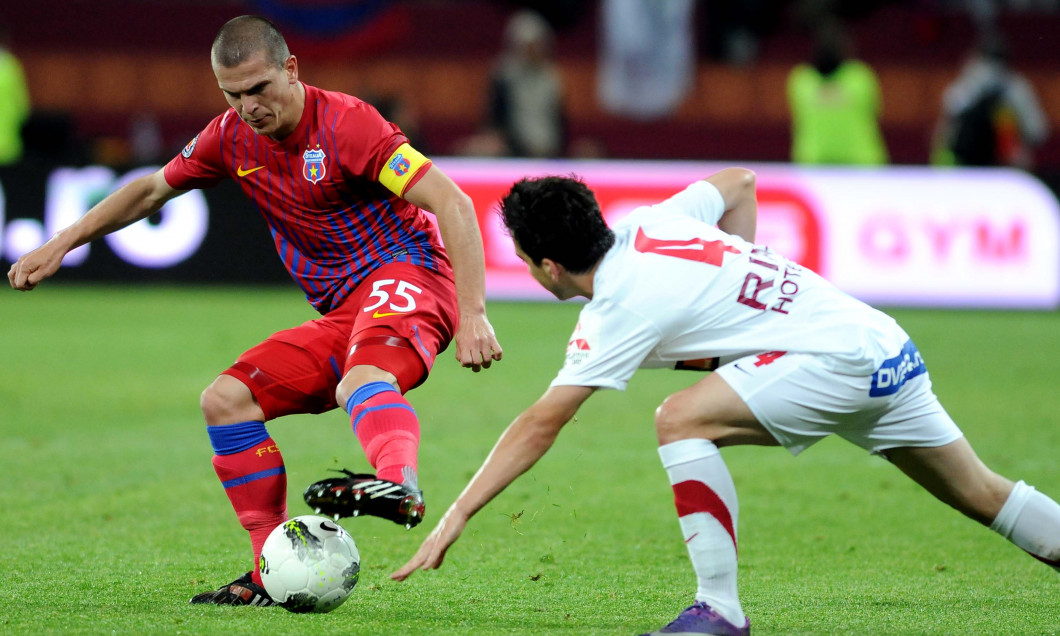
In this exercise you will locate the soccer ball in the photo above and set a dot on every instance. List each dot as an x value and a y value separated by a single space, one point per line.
309 564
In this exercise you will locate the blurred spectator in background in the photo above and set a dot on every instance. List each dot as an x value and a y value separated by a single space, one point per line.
560 14
14 103
525 116
835 105
648 56
990 114
732 31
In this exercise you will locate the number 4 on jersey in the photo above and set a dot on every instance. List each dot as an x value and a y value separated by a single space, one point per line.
768 358
697 249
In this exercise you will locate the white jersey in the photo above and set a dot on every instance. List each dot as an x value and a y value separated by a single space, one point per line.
676 291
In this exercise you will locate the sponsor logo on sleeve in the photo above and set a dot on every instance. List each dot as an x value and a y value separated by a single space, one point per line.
190 148
581 344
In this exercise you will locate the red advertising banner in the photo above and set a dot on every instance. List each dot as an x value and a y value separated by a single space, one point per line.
908 236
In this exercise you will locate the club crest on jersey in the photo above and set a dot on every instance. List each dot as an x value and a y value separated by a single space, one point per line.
186 153
313 167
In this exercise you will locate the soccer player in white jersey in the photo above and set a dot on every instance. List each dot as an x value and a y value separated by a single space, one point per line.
796 360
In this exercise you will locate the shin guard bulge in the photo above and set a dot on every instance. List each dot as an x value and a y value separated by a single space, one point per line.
251 469
388 429
706 503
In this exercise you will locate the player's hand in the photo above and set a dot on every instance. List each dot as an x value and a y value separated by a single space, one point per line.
35 266
432 551
476 344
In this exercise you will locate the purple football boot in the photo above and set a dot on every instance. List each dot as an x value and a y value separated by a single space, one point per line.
701 618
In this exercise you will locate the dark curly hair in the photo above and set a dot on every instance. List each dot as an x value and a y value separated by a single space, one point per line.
557 218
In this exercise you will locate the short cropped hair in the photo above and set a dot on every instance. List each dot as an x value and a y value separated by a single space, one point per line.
242 37
557 218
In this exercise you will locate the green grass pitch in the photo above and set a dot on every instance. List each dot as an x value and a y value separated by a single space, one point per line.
113 517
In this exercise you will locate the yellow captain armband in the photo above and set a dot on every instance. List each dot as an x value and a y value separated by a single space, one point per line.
401 167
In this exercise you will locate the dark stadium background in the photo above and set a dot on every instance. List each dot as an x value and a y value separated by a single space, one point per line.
92 67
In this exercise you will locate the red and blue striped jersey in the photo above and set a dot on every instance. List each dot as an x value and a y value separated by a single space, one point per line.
331 219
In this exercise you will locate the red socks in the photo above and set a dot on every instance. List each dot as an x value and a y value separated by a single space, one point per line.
388 429
251 469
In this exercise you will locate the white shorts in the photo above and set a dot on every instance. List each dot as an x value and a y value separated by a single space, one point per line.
800 401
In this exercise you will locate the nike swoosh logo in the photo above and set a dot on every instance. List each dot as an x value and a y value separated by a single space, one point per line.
377 314
242 173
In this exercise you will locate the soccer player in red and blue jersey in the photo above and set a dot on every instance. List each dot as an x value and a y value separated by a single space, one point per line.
344 194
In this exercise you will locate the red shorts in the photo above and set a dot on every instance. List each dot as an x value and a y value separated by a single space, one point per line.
297 370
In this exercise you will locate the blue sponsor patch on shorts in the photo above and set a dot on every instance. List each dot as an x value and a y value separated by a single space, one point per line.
894 372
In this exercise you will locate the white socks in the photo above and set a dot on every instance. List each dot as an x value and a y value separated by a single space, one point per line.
706 504
708 509
1031 520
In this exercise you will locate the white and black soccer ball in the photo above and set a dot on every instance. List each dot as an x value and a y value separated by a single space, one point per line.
309 564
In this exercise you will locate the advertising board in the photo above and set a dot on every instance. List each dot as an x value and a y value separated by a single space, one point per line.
896 236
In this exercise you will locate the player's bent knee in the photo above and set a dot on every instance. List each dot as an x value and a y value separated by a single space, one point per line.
695 414
359 376
379 356
675 420
227 401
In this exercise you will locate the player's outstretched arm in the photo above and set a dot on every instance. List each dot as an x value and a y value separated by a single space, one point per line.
520 446
476 343
134 201
737 187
